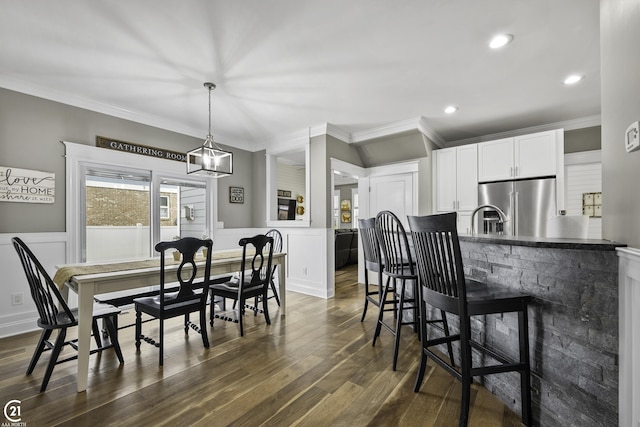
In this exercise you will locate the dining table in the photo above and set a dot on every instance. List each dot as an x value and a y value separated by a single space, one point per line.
91 279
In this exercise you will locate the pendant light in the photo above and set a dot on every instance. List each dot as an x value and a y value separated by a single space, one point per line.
209 159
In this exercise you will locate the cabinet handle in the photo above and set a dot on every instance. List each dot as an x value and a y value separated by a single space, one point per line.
516 171
454 205
511 171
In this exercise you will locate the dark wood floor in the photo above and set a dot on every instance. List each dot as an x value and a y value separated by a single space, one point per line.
314 367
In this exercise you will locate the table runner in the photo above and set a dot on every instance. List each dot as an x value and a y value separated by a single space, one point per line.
65 272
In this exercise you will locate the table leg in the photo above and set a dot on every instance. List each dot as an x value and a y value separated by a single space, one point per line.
85 315
282 290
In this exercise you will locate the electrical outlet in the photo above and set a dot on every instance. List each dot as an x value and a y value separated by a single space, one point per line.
17 298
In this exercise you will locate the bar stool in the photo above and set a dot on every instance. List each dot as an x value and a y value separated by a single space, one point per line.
372 262
398 265
443 285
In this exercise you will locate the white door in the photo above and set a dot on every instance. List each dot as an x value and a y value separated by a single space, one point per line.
394 193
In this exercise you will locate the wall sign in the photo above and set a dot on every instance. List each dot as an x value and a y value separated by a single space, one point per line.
236 195
26 186
284 193
129 147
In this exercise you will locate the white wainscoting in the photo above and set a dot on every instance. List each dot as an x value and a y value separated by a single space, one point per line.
310 257
629 336
50 248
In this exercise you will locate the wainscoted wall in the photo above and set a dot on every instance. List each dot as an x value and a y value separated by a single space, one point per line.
629 335
309 267
573 327
50 248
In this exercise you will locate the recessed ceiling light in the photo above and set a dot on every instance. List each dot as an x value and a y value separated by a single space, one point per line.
451 109
500 40
573 79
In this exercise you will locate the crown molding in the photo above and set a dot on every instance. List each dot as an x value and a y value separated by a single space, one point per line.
430 133
386 130
574 124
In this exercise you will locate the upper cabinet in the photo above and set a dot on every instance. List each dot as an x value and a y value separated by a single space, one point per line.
524 156
456 178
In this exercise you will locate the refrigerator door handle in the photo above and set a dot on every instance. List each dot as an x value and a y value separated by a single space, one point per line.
516 215
512 220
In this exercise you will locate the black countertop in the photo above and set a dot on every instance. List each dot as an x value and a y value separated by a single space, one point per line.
542 242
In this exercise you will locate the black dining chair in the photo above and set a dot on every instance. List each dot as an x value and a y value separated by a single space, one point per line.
55 315
443 285
191 296
253 280
372 263
277 248
398 265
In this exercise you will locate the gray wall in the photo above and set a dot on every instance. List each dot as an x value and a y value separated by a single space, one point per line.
237 215
620 72
31 129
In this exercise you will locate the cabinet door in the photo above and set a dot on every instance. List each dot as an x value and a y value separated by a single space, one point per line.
535 154
445 165
495 160
467 177
464 222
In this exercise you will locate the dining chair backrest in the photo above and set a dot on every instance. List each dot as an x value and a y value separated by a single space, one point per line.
259 268
44 291
394 243
277 239
370 246
187 271
439 261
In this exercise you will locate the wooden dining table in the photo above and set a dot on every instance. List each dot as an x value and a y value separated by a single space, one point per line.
88 280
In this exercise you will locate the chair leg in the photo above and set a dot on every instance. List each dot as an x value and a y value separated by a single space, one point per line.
46 333
241 303
465 330
203 327
445 326
186 324
381 312
113 336
212 308
396 345
55 352
366 295
138 329
275 292
525 375
161 342
265 308
423 345
96 332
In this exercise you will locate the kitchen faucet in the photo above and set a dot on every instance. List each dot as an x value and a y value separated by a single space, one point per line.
501 215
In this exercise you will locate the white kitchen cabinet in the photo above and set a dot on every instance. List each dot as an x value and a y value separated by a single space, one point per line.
525 156
456 178
495 160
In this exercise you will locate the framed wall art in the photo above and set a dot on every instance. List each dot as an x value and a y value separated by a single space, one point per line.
236 194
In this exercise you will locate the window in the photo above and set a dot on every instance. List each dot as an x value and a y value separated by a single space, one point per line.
164 207
117 210
354 207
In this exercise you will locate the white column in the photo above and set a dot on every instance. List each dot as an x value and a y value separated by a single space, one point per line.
629 337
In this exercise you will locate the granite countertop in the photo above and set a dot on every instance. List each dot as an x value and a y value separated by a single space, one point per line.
543 242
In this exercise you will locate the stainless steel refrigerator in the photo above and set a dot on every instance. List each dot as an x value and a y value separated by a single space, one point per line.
527 203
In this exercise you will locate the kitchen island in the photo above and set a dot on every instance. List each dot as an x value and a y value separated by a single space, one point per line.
573 323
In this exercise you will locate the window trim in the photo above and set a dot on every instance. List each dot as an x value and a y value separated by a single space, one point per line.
78 156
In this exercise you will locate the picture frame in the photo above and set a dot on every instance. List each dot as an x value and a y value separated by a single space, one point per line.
236 194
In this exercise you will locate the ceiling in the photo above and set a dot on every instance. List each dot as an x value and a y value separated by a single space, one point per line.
283 67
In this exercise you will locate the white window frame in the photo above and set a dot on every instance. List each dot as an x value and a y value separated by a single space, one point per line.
79 155
165 207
